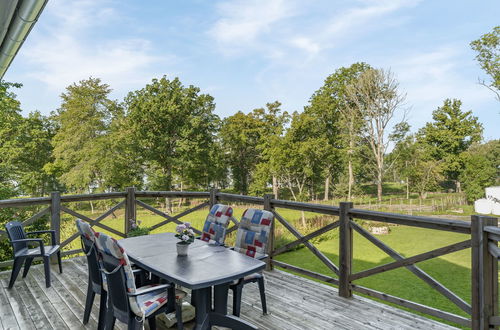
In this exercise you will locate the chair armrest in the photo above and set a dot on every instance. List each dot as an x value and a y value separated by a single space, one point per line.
51 232
138 270
263 257
29 240
151 289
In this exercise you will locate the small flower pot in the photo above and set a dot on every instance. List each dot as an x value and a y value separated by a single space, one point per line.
182 249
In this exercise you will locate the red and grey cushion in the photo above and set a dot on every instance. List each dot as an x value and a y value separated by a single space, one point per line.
148 303
253 232
109 245
85 229
216 223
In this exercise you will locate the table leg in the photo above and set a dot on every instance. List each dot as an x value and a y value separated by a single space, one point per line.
201 303
220 298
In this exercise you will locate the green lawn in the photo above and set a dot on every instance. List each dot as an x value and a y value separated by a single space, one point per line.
452 270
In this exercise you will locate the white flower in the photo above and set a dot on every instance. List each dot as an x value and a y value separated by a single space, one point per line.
191 232
185 237
180 228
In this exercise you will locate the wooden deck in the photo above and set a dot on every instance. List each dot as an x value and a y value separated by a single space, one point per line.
293 303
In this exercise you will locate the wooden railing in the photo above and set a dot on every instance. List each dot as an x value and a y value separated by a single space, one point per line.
483 233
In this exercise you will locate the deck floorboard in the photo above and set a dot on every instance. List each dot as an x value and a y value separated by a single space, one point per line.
294 303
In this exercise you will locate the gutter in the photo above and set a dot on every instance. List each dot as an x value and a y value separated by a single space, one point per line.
17 28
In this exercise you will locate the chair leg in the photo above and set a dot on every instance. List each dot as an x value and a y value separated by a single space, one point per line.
134 324
27 265
46 266
89 301
18 262
59 261
102 310
237 291
262 291
110 317
178 314
152 322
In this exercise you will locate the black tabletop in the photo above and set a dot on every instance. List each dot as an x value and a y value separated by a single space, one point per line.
205 265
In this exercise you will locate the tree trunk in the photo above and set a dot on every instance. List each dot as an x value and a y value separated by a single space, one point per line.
303 218
407 188
327 188
379 186
351 181
275 187
458 186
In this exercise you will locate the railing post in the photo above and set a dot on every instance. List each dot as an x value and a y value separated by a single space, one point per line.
130 210
55 214
213 197
55 217
484 273
270 242
345 250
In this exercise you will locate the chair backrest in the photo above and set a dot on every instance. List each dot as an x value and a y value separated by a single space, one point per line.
15 231
216 223
120 278
88 238
253 232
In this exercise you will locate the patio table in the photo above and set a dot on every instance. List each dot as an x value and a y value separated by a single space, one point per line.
205 266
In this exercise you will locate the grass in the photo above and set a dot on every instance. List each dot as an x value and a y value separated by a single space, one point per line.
452 270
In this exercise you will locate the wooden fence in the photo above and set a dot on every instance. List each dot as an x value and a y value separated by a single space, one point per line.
483 232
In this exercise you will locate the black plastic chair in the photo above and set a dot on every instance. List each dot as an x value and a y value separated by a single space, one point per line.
251 239
120 295
227 321
96 285
23 252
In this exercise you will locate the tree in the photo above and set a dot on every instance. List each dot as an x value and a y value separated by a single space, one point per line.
488 56
421 172
299 158
481 169
376 97
339 122
34 152
80 143
10 120
241 135
173 127
122 166
272 123
450 135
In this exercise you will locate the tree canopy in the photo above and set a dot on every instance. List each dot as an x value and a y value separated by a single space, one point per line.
488 55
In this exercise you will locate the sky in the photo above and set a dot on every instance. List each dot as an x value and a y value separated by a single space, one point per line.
246 53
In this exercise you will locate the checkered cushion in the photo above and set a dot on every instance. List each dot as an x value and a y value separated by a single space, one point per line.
109 245
85 230
145 304
253 232
216 223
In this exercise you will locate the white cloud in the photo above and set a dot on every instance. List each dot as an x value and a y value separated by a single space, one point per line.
306 44
369 13
71 48
242 23
276 29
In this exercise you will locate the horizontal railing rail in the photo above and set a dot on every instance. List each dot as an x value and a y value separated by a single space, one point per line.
482 235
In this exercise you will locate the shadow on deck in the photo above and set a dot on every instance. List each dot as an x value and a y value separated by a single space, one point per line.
293 302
